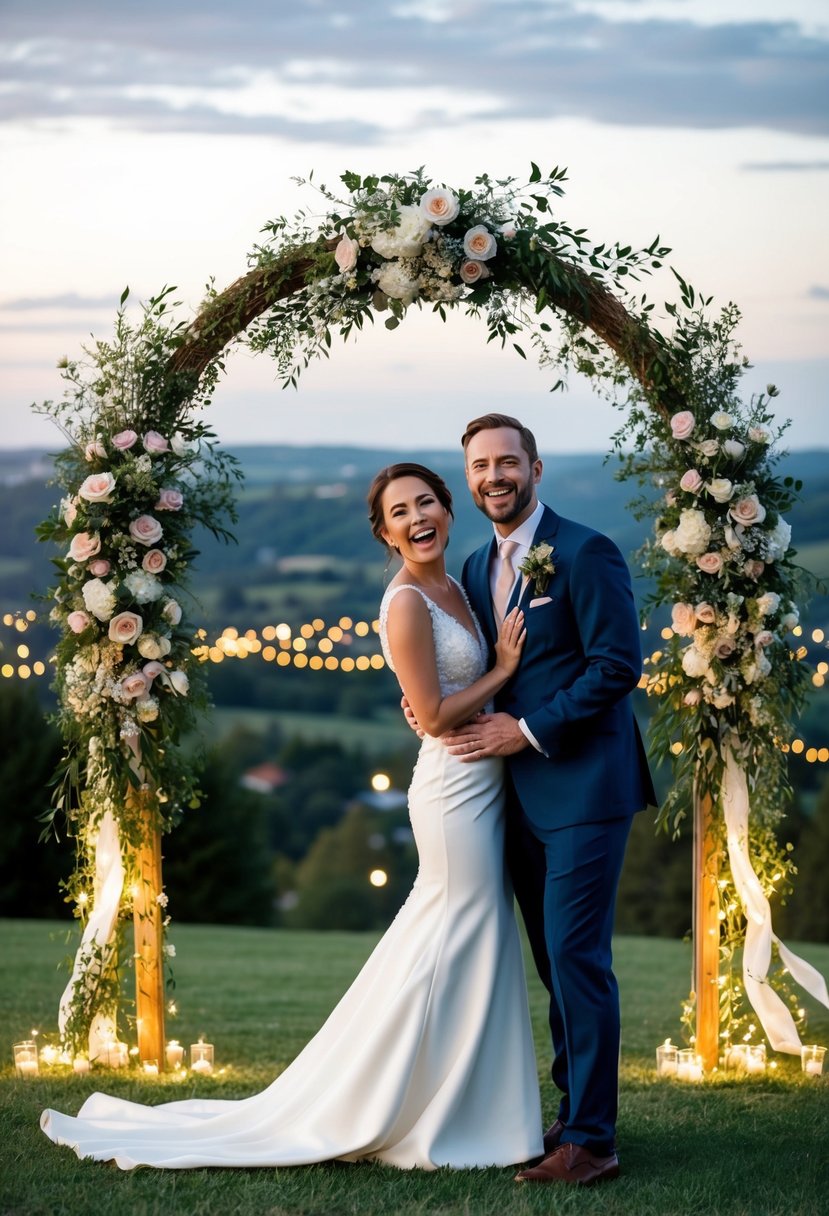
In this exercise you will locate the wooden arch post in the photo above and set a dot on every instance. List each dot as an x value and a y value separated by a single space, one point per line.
147 929
569 290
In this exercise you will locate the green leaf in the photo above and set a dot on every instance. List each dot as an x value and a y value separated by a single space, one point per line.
391 323
535 175
520 351
124 295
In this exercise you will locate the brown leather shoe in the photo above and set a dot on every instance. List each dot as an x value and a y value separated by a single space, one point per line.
574 1164
552 1137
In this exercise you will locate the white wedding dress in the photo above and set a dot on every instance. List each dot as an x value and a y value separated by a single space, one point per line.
428 1059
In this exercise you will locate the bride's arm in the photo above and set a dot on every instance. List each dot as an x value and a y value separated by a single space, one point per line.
410 639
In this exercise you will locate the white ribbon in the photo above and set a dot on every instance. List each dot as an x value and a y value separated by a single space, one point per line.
775 1017
91 957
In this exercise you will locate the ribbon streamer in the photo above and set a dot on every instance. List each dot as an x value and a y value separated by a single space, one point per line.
775 1017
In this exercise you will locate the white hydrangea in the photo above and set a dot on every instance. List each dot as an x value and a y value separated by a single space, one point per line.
144 587
395 281
99 598
778 540
405 240
692 533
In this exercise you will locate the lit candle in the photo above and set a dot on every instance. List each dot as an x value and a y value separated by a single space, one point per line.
201 1057
688 1066
811 1059
174 1054
150 1068
666 1059
48 1054
80 1064
25 1058
737 1056
756 1058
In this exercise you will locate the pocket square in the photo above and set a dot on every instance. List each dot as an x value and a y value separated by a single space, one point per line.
544 599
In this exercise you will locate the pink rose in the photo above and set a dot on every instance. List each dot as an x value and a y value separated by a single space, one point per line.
710 563
440 206
345 255
97 487
682 424
100 567
125 628
154 561
135 685
692 697
171 611
724 648
78 621
753 568
70 511
169 500
708 448
508 231
146 530
472 271
94 449
705 613
479 243
691 481
764 638
153 669
683 620
124 440
84 545
747 511
155 442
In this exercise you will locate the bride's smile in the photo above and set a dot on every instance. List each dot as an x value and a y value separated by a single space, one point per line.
415 523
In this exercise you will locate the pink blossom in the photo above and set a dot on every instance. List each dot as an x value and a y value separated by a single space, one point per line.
763 638
705 613
155 442
153 669
135 685
682 424
78 621
440 206
94 449
691 481
747 511
124 440
346 253
754 568
169 500
710 563
125 628
473 271
479 243
146 530
692 697
683 620
154 561
724 648
84 545
100 567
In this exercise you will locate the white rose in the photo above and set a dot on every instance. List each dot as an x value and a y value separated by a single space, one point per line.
144 587
180 683
694 664
346 254
97 487
99 598
759 434
405 240
180 445
733 448
395 283
171 611
768 603
153 646
692 533
778 540
732 538
479 243
790 620
708 447
94 449
439 206
722 421
668 542
720 489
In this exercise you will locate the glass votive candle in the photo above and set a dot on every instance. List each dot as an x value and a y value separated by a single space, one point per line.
688 1065
49 1054
811 1059
666 1059
756 1058
737 1057
25 1058
115 1054
201 1057
174 1054
81 1065
150 1068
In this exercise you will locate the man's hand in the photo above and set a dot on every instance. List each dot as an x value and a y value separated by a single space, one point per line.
411 720
488 735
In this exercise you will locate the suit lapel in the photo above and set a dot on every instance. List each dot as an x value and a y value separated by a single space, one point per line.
546 530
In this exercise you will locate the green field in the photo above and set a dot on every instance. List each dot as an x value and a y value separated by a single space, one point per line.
724 1148
387 732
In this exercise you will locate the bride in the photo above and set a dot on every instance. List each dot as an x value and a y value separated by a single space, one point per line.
428 1059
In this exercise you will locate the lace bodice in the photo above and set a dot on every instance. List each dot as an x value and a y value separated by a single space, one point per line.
461 658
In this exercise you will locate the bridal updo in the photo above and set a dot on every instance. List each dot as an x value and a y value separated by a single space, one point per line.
393 472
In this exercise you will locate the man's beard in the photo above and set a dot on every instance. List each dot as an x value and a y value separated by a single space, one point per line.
523 498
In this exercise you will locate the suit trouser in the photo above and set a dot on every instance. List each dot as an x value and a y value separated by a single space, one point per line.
565 883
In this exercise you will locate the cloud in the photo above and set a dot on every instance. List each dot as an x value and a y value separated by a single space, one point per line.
786 166
817 292
68 300
195 66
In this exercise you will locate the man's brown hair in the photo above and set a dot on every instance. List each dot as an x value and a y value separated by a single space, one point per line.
492 422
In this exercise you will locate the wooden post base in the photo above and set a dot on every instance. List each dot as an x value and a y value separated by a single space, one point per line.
706 934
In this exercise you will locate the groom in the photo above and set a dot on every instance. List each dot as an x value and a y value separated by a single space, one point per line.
577 770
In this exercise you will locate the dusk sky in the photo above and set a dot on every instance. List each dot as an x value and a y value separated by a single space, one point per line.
146 144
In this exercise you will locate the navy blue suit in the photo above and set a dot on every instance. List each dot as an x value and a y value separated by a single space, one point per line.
569 810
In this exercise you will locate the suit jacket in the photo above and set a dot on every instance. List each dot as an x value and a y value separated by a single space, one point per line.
580 662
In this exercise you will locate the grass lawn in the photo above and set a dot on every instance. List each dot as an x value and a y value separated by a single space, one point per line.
743 1148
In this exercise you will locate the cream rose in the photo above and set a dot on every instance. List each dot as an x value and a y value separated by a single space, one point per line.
84 545
722 421
154 561
692 697
146 530
78 621
125 628
759 434
135 685
69 511
124 440
747 511
171 611
764 637
439 206
720 489
682 424
734 449
691 481
99 598
694 664
709 563
724 647
97 487
169 500
692 533
708 448
346 253
472 271
155 443
683 620
153 646
480 244
705 613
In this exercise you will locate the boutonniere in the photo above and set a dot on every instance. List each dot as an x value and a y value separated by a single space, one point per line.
538 566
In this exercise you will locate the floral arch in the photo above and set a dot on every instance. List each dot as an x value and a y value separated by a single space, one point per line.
142 469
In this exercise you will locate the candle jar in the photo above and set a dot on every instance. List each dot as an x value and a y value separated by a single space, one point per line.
811 1059
756 1058
81 1065
150 1068
688 1065
174 1054
737 1057
49 1055
25 1058
666 1059
201 1058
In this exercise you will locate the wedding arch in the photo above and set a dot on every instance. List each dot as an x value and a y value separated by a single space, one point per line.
142 469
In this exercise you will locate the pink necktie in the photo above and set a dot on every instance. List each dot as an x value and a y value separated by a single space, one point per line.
505 580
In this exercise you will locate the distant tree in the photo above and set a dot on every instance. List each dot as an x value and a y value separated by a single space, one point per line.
806 914
655 888
30 870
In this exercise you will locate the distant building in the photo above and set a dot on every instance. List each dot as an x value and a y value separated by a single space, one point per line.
264 778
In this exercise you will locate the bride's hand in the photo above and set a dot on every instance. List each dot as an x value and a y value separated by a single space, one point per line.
510 642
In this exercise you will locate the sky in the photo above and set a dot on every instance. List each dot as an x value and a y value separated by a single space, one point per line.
146 144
